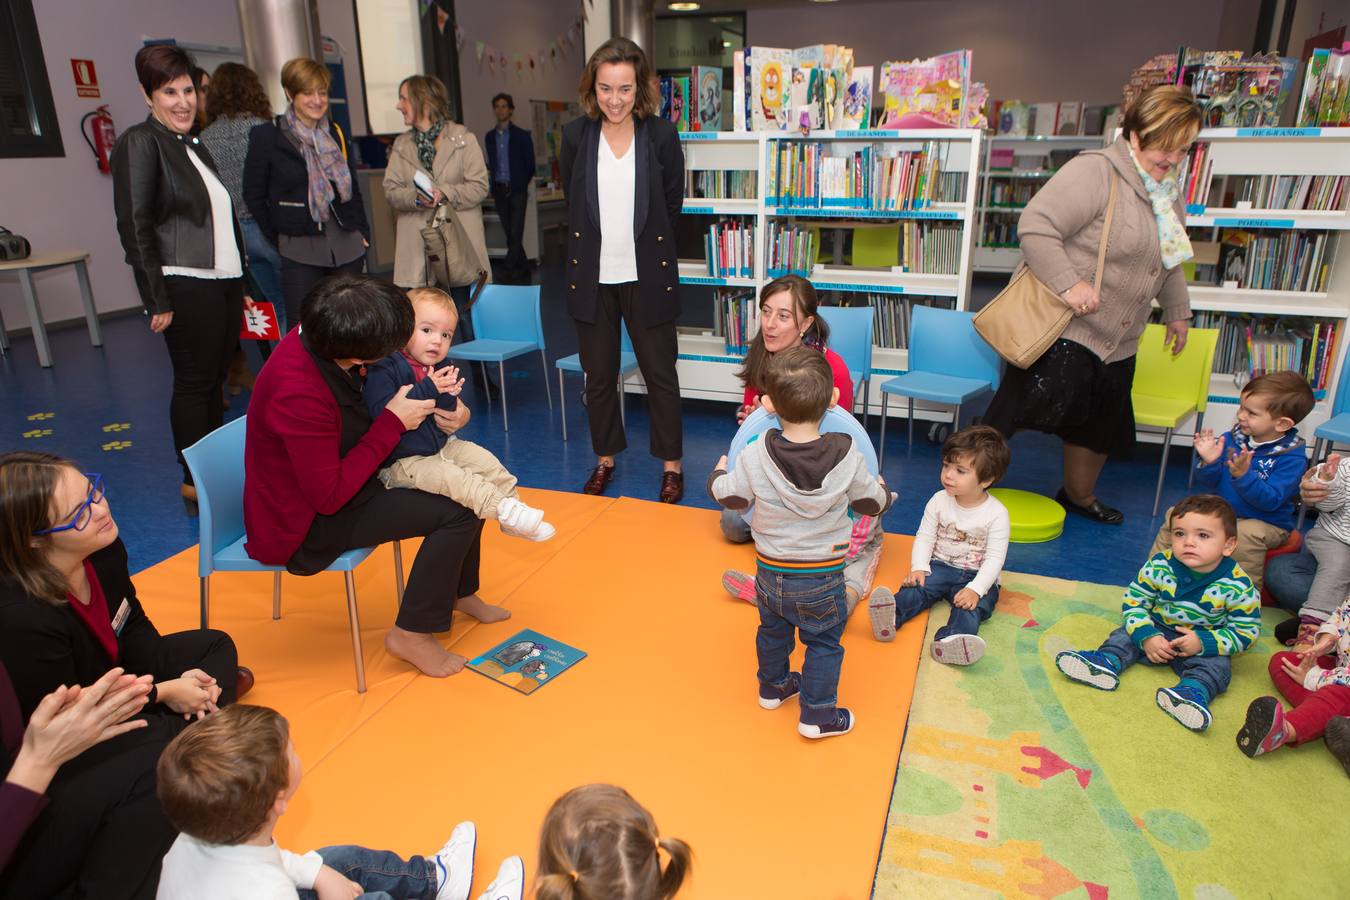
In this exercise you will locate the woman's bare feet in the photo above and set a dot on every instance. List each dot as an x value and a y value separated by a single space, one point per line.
473 606
424 652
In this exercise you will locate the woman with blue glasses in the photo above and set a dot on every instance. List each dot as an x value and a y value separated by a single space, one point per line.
69 613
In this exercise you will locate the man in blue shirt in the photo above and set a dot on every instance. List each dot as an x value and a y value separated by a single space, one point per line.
510 162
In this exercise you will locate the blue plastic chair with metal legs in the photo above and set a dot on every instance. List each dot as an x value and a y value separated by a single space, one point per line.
217 465
948 363
851 338
506 324
628 364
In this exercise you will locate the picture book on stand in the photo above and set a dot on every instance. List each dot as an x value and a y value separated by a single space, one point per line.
705 94
526 661
857 105
770 73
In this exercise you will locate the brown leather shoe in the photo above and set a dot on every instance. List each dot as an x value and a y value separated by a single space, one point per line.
599 480
244 684
672 487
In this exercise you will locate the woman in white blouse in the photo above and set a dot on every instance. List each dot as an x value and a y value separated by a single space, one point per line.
182 242
623 172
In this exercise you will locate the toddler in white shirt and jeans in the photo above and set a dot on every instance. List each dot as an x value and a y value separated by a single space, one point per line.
958 552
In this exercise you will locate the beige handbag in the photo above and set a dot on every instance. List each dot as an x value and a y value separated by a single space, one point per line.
451 260
1027 317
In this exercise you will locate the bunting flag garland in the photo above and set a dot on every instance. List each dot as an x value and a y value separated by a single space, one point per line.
426 6
478 50
533 60
441 18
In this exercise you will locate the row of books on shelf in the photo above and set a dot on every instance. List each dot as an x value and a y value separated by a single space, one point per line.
1016 194
730 248
1254 345
891 316
1294 192
694 101
930 248
1013 118
1262 260
806 175
790 248
1000 231
735 313
721 184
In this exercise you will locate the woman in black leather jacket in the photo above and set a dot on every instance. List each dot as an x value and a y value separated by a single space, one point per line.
178 230
300 189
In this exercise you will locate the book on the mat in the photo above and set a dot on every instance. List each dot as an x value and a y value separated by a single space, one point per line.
527 660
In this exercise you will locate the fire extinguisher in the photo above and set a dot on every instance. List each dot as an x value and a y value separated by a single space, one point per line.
105 135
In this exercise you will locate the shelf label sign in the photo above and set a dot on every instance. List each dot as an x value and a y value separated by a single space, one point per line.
850 213
698 135
868 288
1253 223
699 210
1195 209
693 279
1279 132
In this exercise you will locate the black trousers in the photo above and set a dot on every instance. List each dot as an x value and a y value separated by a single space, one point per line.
511 210
446 567
207 316
656 349
297 278
103 832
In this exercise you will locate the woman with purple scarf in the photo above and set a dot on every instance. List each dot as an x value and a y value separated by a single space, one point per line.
300 189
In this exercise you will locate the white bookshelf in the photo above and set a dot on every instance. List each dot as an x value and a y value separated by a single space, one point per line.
1277 151
705 369
996 257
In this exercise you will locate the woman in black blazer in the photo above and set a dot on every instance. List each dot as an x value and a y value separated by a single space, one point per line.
622 164
178 229
301 191
69 613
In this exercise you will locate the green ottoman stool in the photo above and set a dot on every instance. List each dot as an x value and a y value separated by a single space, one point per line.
1035 519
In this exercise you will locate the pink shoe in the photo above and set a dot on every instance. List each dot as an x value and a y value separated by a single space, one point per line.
739 585
1264 729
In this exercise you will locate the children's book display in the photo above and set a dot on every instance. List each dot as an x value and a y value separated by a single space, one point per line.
1325 102
810 175
1235 91
730 248
1252 345
526 660
1013 118
705 98
675 100
934 92
776 89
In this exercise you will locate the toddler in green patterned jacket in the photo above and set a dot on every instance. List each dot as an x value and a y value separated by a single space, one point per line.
1190 607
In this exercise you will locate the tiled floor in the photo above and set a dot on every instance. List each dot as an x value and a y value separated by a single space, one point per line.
108 409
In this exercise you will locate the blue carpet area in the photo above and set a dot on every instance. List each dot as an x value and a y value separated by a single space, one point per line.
108 409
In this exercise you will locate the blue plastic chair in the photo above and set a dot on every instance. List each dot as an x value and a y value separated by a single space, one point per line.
506 324
836 420
851 338
948 363
628 364
217 465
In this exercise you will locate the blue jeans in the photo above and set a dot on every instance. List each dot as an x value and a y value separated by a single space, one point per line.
1289 578
381 874
813 605
264 266
944 583
1209 672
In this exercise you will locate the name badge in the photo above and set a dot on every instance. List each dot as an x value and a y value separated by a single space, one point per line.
120 619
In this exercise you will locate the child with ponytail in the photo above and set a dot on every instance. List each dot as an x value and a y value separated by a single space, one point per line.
598 843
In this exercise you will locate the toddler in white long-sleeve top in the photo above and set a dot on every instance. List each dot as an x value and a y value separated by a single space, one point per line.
958 552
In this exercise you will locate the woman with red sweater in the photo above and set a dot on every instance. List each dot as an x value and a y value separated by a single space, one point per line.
312 451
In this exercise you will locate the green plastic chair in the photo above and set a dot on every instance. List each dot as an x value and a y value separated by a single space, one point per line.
1169 389
877 247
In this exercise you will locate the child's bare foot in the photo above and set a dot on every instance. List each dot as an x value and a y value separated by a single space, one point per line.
424 652
473 606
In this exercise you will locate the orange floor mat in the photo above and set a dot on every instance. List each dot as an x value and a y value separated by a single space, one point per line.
663 705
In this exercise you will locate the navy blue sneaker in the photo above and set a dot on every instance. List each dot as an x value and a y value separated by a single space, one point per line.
1089 667
842 724
771 697
1185 704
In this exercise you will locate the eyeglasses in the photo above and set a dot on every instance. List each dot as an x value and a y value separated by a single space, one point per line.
84 514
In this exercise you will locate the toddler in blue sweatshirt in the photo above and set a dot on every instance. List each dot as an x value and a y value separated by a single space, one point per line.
427 459
1256 467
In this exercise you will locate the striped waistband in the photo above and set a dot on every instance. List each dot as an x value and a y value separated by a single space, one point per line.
799 566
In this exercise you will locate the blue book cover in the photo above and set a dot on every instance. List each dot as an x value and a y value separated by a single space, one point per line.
526 661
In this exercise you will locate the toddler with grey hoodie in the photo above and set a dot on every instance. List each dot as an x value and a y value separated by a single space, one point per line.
802 484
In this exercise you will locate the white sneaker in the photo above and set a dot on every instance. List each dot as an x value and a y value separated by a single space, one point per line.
881 611
509 883
519 520
958 649
454 863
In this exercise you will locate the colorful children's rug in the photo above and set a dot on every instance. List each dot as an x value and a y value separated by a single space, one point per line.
1016 782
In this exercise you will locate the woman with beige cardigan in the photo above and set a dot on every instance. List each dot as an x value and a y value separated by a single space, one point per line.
450 155
1080 389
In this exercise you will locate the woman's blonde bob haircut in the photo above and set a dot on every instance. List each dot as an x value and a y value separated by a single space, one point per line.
620 50
1165 117
304 74
427 94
